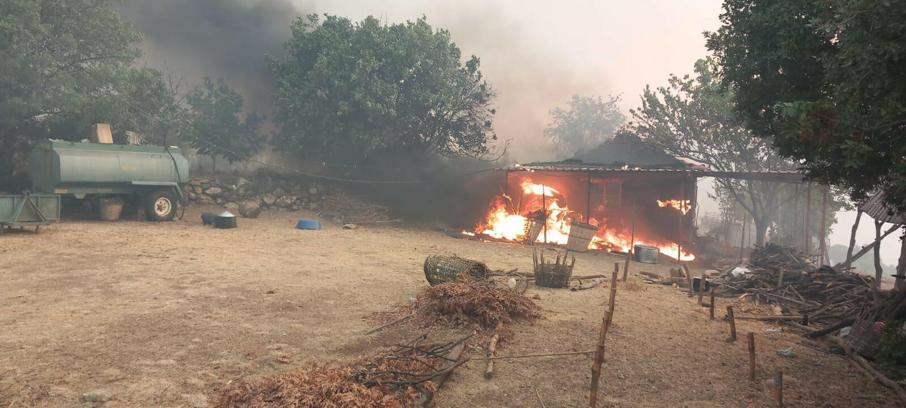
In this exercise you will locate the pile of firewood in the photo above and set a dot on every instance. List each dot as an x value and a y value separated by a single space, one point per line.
781 276
773 256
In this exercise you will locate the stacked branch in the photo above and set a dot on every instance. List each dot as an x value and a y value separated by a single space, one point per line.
781 276
404 376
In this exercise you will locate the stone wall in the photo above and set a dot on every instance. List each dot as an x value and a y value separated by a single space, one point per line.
250 196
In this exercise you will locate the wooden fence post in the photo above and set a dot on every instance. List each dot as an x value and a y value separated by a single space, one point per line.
689 280
599 360
711 305
701 289
613 288
732 323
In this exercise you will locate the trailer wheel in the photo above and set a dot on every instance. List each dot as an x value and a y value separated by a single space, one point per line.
160 206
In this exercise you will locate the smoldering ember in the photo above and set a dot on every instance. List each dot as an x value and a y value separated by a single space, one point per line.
284 203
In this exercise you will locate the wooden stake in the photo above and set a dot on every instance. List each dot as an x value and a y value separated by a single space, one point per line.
701 289
599 359
544 208
631 245
751 338
778 388
613 289
492 350
732 323
711 305
689 280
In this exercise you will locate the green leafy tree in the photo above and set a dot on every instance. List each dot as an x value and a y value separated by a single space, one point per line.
65 65
218 127
585 123
355 91
692 118
151 104
826 82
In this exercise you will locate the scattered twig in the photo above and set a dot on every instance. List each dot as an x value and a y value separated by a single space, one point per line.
384 326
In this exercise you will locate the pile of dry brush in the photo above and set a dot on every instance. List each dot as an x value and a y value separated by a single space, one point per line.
473 303
403 376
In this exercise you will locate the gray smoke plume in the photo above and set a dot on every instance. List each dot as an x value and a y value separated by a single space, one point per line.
192 39
535 53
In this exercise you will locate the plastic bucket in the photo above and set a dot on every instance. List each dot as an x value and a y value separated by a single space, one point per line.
580 236
645 253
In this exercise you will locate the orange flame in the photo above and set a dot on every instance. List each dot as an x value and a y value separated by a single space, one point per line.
503 223
682 205
538 189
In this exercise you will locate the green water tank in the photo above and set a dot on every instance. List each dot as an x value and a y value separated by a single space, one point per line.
89 168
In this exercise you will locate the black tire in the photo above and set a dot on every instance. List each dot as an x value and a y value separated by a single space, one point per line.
160 205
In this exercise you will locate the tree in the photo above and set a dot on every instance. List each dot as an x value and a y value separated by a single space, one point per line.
826 82
217 126
692 118
585 123
151 104
65 65
353 91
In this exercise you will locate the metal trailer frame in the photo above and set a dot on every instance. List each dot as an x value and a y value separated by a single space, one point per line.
28 210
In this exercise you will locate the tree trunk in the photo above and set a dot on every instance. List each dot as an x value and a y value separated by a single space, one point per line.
867 248
901 265
761 231
852 239
823 233
879 270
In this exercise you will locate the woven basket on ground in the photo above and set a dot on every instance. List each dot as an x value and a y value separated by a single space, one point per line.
553 275
449 268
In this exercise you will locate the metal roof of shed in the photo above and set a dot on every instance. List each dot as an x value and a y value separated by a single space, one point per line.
876 208
575 166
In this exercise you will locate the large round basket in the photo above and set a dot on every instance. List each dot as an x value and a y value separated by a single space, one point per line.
449 268
552 275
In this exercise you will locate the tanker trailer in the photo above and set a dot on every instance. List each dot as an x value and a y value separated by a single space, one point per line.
152 174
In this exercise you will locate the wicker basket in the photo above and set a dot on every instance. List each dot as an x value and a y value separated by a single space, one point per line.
553 275
532 231
447 268
580 236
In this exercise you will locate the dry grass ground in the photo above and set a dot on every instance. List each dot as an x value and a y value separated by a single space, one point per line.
165 314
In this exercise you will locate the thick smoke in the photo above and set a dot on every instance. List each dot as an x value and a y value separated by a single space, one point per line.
191 39
535 53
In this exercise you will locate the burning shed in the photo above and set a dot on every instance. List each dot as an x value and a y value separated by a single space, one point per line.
626 190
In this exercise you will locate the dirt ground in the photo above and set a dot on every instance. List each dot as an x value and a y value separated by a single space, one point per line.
145 314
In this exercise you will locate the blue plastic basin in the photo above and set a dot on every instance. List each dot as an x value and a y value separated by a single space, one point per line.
305 224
